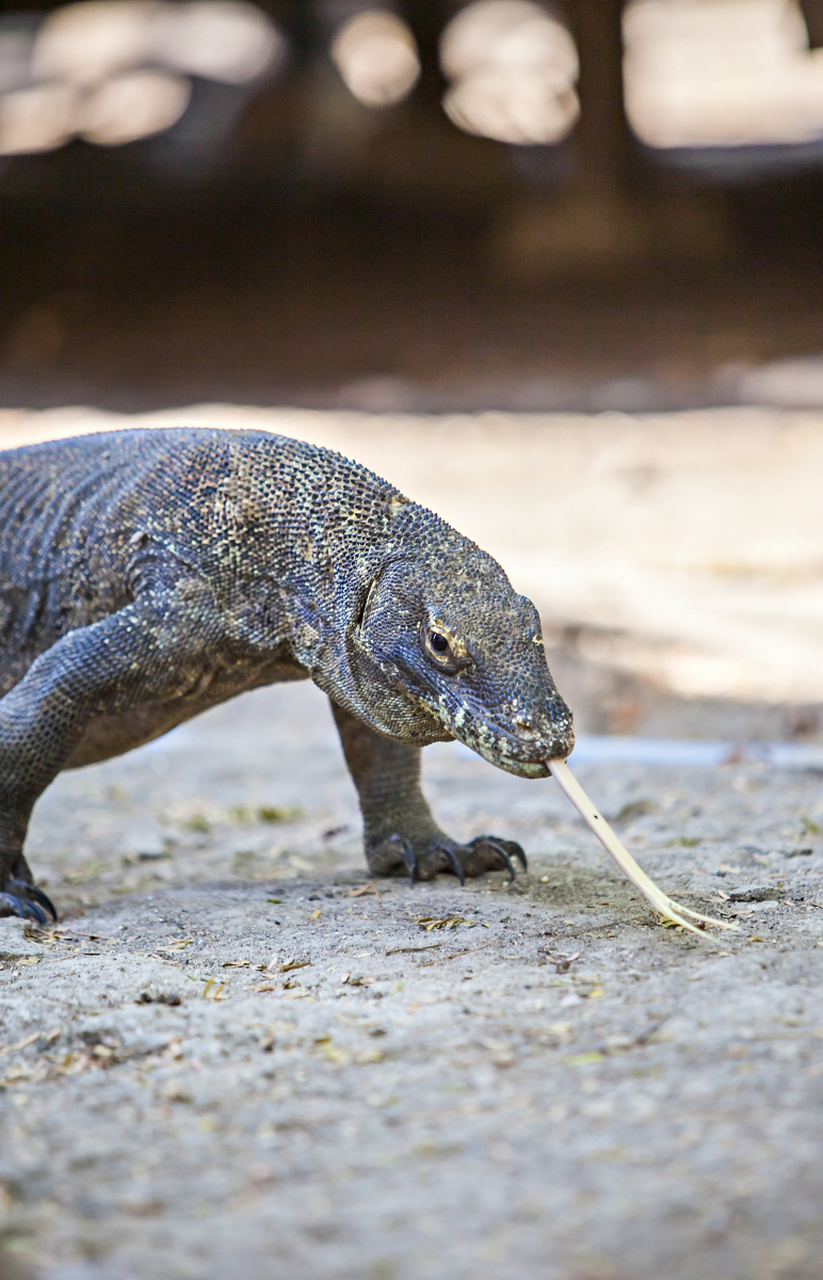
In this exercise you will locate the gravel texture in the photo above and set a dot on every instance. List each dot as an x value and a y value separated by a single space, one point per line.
237 1056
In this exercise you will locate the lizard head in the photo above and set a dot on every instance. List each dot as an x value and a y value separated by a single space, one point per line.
443 647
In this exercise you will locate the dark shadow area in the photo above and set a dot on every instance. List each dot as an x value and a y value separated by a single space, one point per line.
284 241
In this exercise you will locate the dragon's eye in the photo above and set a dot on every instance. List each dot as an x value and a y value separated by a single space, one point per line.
447 652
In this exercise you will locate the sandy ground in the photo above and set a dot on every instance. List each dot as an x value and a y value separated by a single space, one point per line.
236 1056
533 1080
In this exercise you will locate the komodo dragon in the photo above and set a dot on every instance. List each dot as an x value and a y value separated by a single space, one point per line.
147 575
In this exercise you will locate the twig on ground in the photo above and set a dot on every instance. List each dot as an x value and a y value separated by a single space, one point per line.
456 954
430 946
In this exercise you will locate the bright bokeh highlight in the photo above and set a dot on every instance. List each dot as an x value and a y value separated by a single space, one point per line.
376 55
513 69
116 71
719 73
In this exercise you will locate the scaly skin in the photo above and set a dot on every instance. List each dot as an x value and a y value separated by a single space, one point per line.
148 575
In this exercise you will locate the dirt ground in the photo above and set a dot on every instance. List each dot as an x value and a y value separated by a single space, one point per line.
499 1081
237 1056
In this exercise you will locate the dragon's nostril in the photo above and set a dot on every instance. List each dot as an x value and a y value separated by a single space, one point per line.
525 729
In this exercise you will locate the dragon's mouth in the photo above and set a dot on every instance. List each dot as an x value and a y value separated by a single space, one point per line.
509 753
520 766
519 747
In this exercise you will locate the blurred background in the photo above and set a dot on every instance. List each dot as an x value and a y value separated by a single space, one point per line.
553 268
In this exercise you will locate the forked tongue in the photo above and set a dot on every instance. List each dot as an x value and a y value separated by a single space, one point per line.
662 904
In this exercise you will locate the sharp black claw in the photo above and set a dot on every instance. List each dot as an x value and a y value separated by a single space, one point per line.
38 896
509 864
408 855
44 900
22 908
454 861
503 856
519 854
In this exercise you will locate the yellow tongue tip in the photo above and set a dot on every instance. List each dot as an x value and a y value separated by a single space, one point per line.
665 906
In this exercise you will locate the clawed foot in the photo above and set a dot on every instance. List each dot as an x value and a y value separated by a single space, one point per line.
26 901
484 853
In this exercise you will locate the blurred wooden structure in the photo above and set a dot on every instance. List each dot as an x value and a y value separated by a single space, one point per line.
286 237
